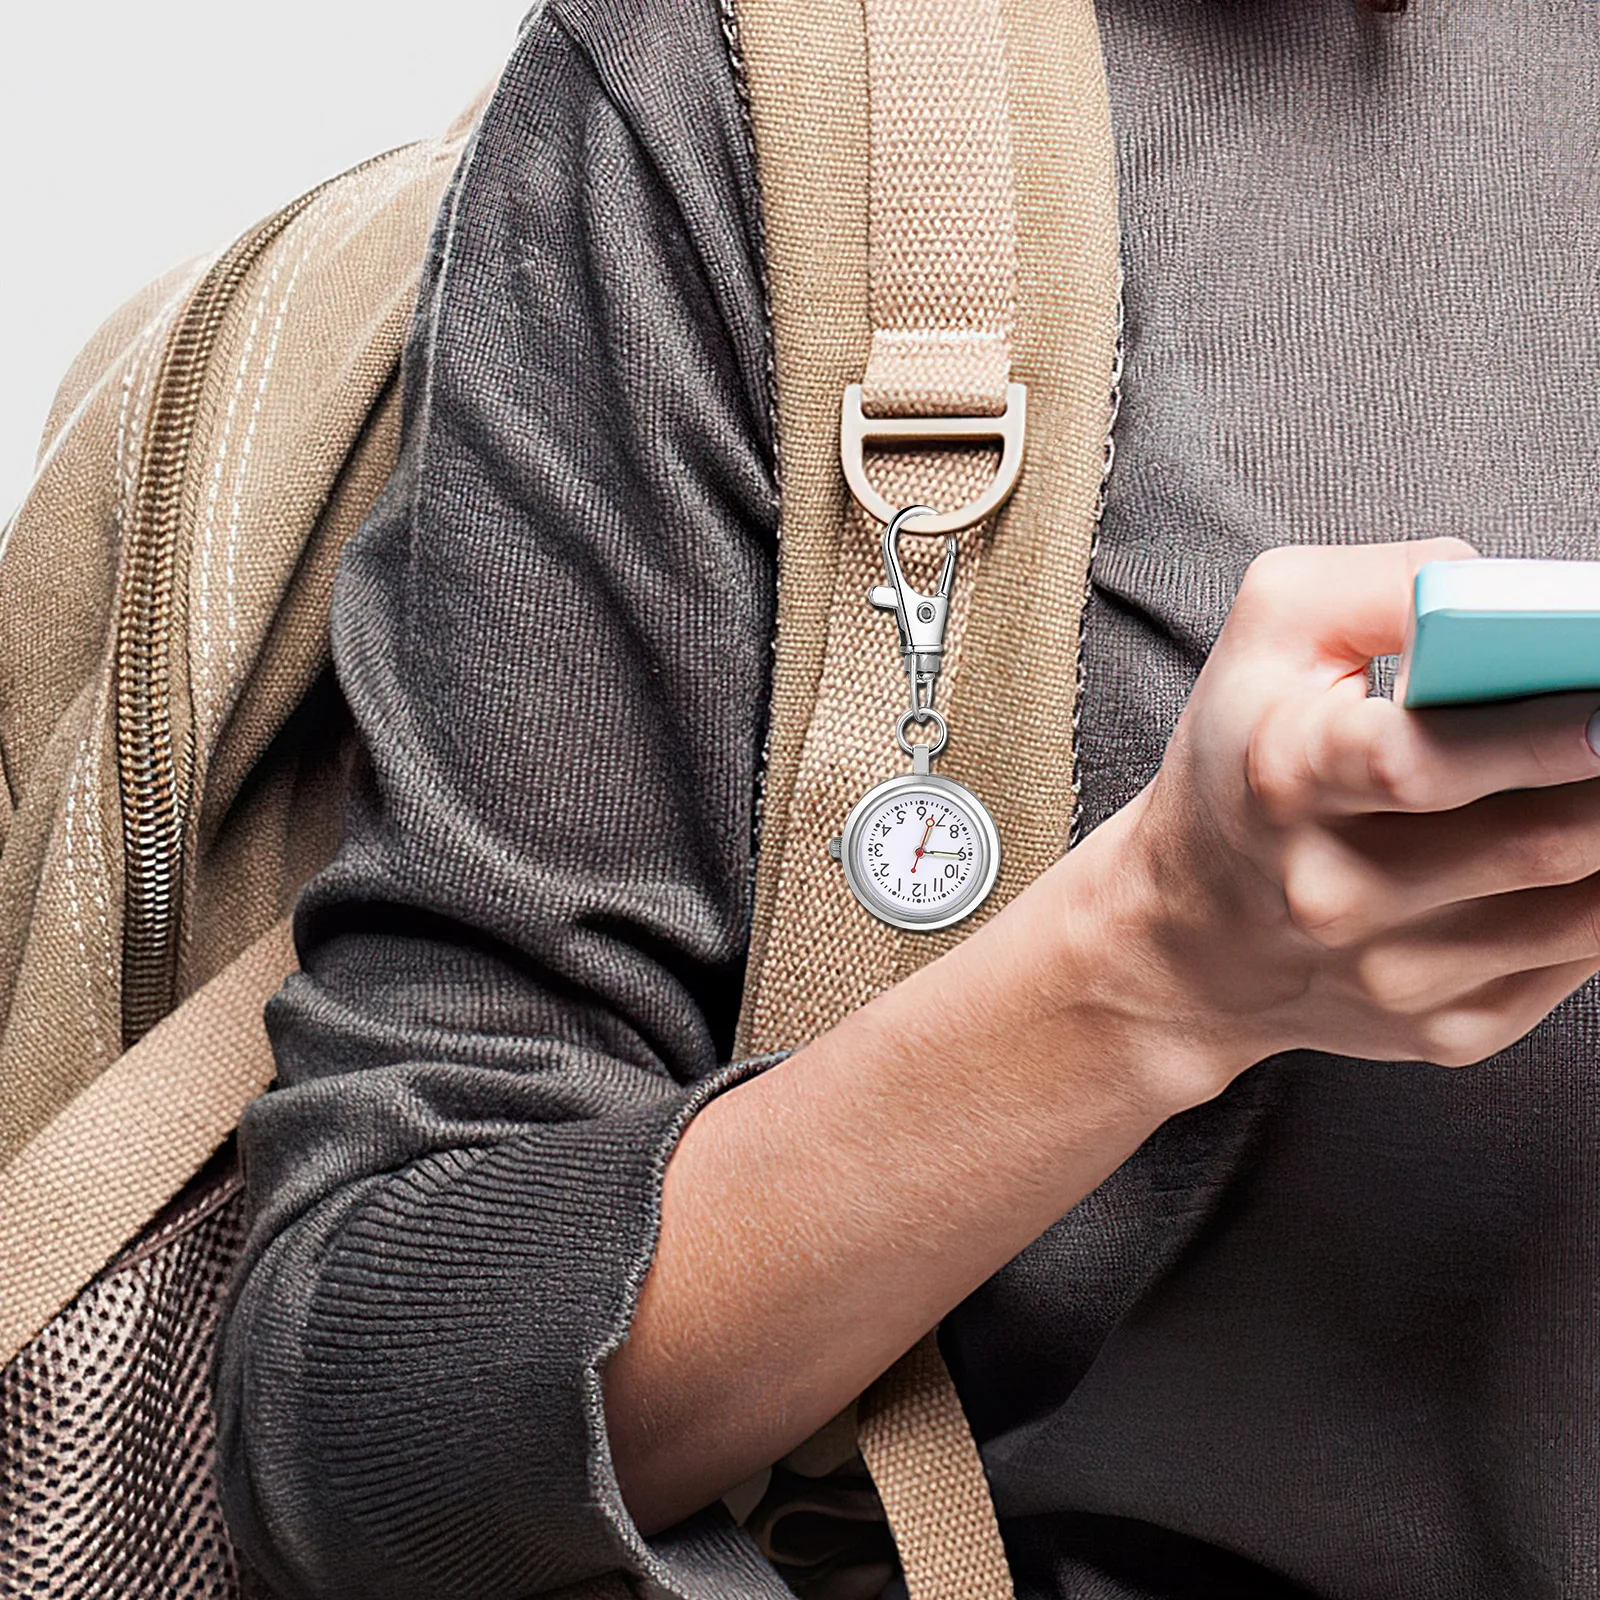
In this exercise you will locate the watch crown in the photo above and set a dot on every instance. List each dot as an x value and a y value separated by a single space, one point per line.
836 847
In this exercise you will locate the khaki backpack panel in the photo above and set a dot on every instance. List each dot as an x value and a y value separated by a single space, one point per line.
294 431
52 631
58 577
101 357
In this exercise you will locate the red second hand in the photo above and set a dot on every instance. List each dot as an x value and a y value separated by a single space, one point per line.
923 846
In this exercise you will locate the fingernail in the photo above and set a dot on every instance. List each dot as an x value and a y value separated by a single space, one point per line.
1592 733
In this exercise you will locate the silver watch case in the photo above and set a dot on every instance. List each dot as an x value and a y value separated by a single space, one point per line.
843 849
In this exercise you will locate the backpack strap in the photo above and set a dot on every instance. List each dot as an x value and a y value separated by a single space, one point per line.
94 1175
930 1478
853 111
941 211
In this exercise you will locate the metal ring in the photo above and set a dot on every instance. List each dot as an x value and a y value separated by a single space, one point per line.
857 431
925 714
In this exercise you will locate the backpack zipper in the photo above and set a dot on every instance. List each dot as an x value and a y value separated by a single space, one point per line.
152 771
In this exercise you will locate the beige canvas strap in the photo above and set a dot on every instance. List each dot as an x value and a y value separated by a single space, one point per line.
841 154
942 218
96 1174
925 1464
942 265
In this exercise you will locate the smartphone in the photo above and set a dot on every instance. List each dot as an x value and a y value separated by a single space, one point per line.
1497 630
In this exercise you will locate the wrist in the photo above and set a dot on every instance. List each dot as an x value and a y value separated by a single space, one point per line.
1103 920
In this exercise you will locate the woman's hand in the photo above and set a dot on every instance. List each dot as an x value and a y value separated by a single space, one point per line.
1314 867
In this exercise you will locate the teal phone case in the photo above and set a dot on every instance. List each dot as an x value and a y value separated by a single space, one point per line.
1498 630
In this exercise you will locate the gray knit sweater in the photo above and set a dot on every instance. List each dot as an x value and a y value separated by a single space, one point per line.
1335 1334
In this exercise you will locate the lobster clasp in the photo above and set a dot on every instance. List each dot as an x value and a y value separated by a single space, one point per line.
921 618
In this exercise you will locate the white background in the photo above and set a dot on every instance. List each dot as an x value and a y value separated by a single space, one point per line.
137 134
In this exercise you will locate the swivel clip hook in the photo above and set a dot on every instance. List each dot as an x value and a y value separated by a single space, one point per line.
920 617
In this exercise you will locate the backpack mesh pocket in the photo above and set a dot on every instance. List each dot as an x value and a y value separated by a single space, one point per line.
106 1433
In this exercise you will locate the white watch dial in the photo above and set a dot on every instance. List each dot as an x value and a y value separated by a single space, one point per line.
920 852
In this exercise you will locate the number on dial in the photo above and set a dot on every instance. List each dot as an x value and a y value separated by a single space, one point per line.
918 851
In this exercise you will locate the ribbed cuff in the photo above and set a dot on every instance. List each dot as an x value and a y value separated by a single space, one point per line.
422 1374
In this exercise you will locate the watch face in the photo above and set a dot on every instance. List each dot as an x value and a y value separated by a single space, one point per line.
920 852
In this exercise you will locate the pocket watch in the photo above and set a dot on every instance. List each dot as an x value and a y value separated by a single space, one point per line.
919 851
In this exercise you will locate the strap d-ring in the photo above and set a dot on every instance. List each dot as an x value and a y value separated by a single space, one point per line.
857 431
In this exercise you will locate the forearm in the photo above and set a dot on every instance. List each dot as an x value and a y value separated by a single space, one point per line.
818 1219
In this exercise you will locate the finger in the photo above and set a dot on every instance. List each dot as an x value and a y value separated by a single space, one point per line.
1334 606
1494 1017
1433 964
1344 752
1347 881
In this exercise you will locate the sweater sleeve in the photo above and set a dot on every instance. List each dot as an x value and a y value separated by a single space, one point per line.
522 970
